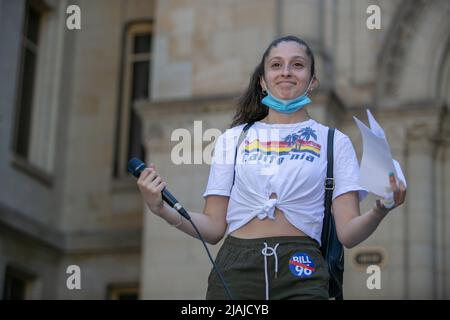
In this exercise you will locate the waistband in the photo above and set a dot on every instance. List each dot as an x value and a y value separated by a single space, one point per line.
257 242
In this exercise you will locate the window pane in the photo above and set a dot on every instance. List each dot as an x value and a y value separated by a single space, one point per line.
128 296
140 80
25 107
118 293
14 286
142 43
33 25
135 147
15 289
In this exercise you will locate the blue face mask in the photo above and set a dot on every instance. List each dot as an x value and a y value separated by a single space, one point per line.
286 106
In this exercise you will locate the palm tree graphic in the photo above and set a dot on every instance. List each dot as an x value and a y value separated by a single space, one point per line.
292 139
307 133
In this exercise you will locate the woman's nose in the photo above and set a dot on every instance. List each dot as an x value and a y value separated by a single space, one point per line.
286 71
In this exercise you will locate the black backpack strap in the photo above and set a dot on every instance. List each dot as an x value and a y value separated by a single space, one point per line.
329 231
241 138
329 187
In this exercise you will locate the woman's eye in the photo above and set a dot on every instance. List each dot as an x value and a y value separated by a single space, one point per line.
298 65
275 65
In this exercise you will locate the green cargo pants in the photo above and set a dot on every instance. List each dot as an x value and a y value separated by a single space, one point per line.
286 267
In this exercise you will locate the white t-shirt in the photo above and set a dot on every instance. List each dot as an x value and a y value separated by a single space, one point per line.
289 160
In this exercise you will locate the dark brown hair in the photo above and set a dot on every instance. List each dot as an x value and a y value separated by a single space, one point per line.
249 106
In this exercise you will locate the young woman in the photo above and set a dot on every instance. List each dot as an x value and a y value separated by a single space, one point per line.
270 203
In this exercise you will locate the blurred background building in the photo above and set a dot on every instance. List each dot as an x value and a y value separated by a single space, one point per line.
75 105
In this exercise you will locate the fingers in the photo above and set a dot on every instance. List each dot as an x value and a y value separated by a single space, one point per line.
144 175
160 187
393 182
399 194
394 187
381 208
399 190
402 193
145 172
402 186
150 177
150 180
380 205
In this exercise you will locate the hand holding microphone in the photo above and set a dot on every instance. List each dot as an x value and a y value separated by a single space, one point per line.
151 185
153 189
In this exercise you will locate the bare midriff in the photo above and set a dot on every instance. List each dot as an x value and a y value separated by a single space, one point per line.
257 228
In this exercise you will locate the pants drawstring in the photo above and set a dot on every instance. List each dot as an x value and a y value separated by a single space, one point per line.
267 252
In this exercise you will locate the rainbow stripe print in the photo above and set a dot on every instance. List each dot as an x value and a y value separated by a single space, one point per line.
281 148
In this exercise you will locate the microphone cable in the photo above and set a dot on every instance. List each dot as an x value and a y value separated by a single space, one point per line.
227 290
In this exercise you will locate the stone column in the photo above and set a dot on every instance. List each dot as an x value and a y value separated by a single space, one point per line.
443 218
421 216
446 217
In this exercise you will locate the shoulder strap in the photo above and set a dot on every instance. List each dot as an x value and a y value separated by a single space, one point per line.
329 187
241 138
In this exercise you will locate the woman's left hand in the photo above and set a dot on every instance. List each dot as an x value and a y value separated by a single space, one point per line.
399 196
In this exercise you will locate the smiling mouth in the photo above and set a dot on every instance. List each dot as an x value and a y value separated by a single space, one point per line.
290 82
287 82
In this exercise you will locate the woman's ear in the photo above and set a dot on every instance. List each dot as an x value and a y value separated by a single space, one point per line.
262 83
314 84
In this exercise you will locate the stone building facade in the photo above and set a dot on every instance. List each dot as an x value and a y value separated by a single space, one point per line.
141 75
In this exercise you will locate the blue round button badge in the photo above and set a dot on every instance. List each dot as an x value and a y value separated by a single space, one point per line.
301 265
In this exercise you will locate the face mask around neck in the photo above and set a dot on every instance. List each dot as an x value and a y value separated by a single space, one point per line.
286 106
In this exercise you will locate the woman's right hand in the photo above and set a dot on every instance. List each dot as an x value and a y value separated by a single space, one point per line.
150 185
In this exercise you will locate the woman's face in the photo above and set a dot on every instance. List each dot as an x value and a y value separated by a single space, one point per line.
287 71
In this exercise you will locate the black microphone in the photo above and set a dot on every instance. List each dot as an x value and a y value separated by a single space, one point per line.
136 166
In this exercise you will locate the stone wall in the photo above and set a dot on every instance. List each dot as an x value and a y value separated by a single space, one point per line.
354 66
72 204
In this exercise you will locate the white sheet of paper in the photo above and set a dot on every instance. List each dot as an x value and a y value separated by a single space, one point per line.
377 161
379 132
